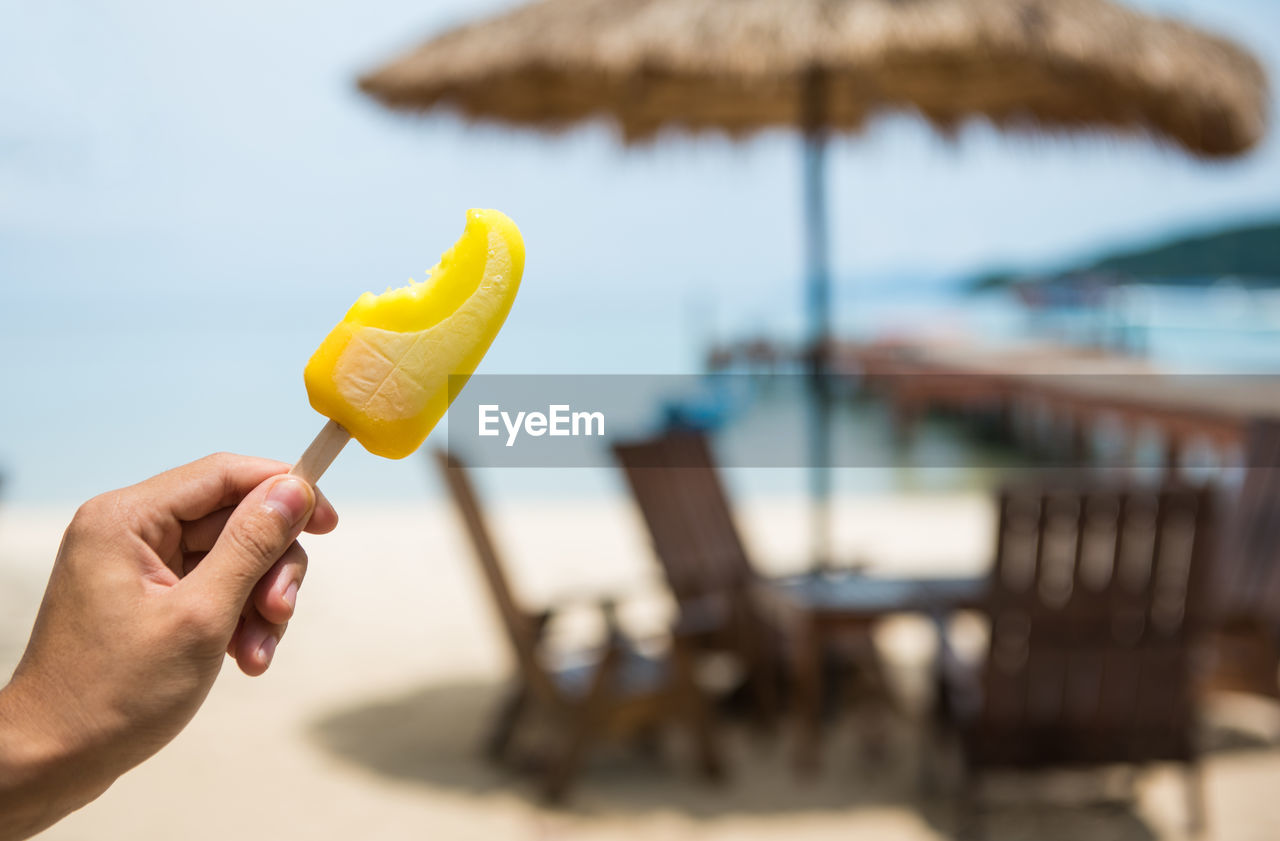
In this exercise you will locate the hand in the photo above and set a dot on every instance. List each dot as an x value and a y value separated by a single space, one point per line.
151 586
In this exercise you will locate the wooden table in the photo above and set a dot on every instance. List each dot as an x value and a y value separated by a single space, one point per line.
825 605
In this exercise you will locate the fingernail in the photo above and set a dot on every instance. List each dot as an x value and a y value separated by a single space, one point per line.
291 497
291 594
268 649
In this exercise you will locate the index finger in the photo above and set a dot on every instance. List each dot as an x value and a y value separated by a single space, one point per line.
218 481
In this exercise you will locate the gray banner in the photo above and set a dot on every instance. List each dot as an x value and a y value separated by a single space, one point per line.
933 420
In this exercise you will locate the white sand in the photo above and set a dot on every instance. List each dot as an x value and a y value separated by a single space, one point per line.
366 725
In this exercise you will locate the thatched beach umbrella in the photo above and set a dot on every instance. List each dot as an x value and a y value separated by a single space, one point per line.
819 66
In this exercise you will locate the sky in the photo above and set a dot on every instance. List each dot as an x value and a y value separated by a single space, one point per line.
192 193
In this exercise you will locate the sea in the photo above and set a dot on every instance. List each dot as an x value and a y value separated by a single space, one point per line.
103 390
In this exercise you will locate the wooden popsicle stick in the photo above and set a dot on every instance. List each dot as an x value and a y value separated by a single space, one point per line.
321 453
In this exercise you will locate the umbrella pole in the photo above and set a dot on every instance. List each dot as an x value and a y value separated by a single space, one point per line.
819 316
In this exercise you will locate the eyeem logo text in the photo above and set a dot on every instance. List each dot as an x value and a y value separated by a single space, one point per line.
559 420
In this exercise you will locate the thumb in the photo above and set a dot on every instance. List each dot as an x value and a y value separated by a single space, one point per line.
258 532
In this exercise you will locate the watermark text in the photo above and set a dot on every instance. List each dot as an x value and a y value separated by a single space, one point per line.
559 420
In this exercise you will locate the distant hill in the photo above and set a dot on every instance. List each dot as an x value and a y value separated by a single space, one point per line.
1249 253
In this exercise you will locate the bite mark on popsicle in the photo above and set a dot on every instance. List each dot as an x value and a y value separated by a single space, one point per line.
383 372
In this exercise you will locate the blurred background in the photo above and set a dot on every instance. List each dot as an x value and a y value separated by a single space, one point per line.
191 196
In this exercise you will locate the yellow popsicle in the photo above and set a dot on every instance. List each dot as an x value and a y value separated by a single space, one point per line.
383 372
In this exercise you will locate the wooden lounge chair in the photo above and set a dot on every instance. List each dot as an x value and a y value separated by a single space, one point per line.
622 693
674 481
1245 655
717 591
1097 603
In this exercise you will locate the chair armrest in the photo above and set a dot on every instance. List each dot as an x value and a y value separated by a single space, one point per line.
569 597
614 635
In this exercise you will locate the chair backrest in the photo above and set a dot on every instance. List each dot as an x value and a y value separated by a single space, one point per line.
1096 599
1248 578
519 626
674 482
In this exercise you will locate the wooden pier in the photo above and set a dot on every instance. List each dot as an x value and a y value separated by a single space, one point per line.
1071 389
